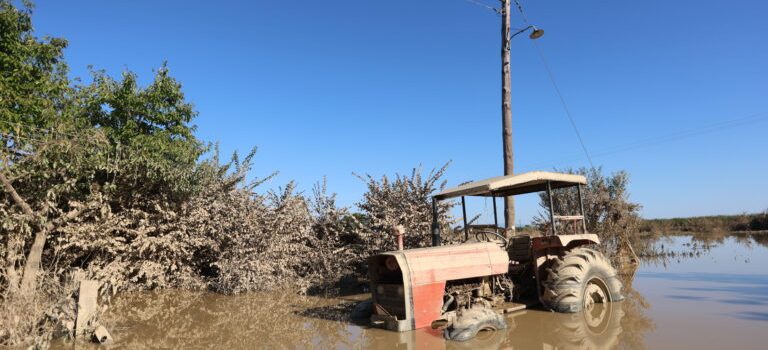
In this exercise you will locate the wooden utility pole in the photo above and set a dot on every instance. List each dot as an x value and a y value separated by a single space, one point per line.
506 114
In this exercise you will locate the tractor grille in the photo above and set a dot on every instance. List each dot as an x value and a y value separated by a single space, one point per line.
389 300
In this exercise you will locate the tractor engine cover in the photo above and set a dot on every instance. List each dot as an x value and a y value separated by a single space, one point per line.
408 285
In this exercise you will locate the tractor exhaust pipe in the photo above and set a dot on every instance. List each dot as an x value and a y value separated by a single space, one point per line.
398 231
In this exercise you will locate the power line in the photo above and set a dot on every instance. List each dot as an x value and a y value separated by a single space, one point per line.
683 134
482 4
562 102
674 136
522 13
557 89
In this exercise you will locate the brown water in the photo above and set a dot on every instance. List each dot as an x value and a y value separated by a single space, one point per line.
716 300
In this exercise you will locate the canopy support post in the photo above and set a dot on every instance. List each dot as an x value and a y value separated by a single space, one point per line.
495 215
551 208
464 213
435 224
581 206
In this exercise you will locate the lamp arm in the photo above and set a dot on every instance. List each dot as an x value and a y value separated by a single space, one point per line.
520 31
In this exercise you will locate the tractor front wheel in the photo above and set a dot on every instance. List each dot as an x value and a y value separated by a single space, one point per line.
580 279
471 321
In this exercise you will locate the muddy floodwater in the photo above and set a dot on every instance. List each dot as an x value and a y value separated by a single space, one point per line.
711 295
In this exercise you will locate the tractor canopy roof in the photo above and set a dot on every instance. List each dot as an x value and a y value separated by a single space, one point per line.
502 186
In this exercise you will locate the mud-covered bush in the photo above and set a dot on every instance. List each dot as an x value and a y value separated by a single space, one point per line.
37 317
341 234
228 237
272 246
232 239
132 249
405 200
225 237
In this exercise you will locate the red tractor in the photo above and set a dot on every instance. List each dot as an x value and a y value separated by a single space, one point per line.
465 288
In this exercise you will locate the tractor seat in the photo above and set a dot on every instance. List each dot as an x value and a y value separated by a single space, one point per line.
519 248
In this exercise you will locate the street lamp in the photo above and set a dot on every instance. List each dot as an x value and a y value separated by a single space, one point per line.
535 34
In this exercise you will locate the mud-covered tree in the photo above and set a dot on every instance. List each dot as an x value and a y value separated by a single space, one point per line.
67 150
138 237
42 154
33 106
133 150
150 133
33 81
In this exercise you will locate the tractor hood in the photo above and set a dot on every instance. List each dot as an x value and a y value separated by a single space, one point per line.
408 285
453 262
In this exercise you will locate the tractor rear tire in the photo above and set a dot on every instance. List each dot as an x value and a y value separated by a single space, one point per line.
472 321
578 280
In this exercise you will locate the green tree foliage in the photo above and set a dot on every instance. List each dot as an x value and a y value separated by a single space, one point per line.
33 82
152 145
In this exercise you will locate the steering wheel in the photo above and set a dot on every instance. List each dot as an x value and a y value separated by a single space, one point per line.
485 234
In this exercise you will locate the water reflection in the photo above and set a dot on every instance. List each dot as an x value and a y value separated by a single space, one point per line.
602 328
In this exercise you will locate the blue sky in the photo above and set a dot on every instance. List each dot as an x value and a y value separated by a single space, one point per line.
674 92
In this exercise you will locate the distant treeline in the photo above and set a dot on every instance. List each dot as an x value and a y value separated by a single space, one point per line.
717 223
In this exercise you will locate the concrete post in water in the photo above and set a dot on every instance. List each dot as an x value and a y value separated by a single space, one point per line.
101 335
87 305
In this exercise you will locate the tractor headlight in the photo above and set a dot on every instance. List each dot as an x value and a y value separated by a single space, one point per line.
400 290
391 263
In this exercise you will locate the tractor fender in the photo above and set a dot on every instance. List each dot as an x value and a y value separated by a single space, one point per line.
564 241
